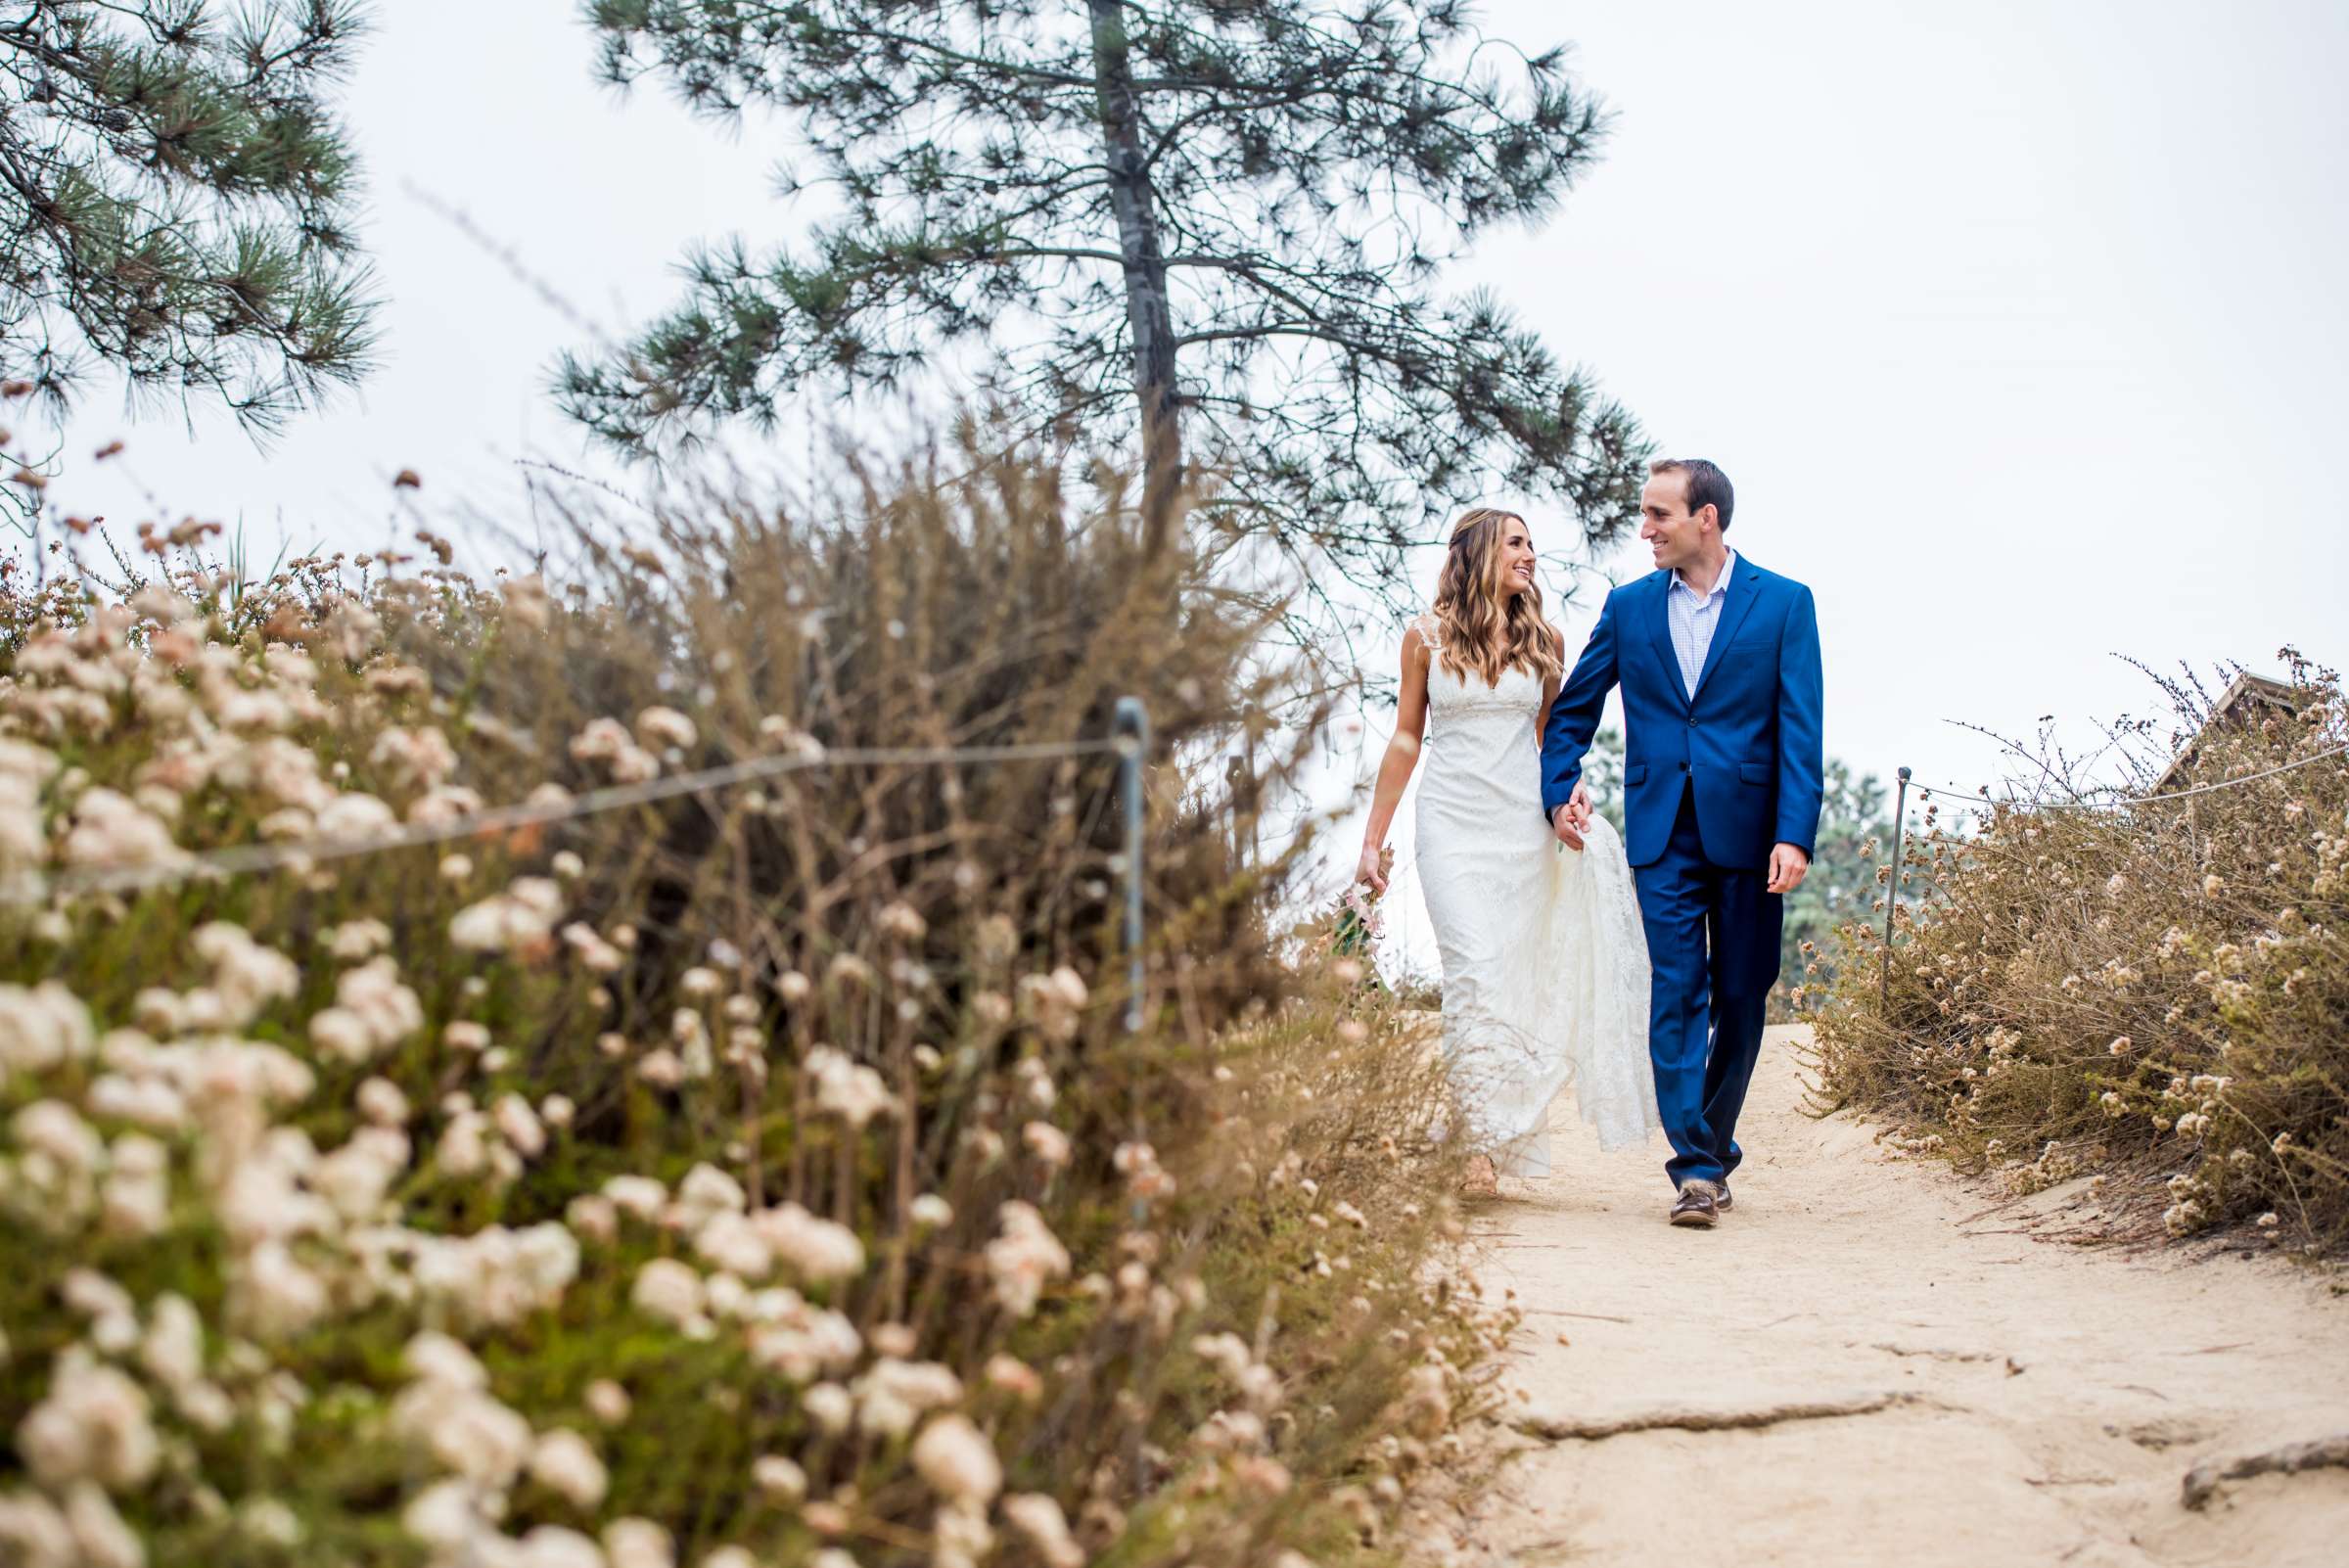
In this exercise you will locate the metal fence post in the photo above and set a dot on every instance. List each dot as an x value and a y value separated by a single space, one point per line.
1892 891
1132 728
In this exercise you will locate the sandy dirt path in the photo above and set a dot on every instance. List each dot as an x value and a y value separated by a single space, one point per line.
2028 1401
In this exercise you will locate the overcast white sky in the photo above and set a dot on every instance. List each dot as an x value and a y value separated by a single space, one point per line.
2019 326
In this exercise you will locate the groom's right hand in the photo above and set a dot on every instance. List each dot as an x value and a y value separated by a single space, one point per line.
1567 825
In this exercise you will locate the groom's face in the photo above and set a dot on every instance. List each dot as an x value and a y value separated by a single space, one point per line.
1674 535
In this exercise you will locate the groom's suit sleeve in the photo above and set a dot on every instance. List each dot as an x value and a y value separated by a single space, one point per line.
1802 744
1574 715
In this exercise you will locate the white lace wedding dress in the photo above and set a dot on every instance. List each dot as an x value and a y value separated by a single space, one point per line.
1545 977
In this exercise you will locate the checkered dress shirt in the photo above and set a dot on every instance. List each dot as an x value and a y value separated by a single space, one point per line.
1694 619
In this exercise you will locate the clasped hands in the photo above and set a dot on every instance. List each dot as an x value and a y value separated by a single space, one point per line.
1788 865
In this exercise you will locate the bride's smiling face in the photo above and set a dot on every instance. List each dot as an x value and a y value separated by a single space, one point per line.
1513 559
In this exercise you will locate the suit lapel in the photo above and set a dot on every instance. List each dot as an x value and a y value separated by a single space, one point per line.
1659 626
1744 586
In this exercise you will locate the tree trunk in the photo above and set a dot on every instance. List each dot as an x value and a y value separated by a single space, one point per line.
1149 314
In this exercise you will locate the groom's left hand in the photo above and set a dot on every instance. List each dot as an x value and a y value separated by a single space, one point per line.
1787 867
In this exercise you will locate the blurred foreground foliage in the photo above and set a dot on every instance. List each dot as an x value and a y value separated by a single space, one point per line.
758 1176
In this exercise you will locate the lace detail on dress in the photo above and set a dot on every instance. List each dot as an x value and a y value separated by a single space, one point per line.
1545 973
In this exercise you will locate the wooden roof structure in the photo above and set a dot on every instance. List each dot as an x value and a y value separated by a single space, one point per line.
2246 699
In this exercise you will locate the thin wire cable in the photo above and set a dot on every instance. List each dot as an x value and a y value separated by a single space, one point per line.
251 858
1976 794
2230 783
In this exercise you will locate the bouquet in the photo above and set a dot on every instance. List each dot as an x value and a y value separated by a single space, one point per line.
1355 926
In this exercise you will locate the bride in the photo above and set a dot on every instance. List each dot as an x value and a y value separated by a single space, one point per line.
1545 977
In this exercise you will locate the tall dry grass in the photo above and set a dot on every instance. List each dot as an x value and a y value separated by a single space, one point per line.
757 1176
2153 996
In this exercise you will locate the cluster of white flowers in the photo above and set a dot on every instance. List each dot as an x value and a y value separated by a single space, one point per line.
26 771
1144 1177
373 1012
420 759
789 740
957 1460
449 1418
797 1340
607 741
848 1089
494 1277
96 1424
41 1027
892 1395
111 829
1048 1144
1256 1383
599 955
665 729
1040 1521
1023 1259
1055 1003
522 915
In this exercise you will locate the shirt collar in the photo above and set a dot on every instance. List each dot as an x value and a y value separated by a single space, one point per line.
1721 584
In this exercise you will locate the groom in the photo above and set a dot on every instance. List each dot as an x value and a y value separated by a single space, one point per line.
1719 665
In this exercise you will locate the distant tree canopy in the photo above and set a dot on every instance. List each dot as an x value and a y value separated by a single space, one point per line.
1209 232
1842 885
175 201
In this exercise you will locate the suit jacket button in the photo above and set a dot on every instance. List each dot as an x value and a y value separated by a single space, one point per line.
1684 767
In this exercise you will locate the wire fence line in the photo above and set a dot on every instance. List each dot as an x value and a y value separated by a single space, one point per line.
1977 793
246 860
1980 796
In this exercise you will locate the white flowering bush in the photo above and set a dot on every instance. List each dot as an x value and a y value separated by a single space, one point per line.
2154 997
759 1175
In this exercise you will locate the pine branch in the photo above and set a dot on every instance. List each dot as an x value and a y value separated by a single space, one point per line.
175 196
1280 182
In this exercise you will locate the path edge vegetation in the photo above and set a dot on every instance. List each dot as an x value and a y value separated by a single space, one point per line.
758 1177
2150 997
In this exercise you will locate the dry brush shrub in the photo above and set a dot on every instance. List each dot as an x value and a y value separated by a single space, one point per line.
2155 996
759 1175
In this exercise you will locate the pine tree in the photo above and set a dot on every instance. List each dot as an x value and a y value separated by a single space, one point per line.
1842 882
176 195
1217 226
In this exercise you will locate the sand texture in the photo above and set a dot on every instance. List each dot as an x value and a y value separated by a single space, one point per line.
1862 1366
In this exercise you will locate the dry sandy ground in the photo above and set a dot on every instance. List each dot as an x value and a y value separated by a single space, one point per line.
2046 1399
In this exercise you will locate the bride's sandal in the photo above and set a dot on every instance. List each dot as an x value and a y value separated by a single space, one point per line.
1482 1179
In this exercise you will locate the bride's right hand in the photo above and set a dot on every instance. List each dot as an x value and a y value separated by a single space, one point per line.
1371 868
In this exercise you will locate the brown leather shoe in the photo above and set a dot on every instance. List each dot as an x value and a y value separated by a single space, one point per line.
1722 1202
1699 1204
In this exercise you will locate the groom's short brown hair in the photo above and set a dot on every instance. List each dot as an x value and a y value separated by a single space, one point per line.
1708 485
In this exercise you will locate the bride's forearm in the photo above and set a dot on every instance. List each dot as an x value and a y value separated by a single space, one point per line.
1393 776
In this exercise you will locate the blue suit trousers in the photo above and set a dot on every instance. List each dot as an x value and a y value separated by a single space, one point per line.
1713 946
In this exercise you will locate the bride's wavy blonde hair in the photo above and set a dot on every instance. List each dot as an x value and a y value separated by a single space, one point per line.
1480 627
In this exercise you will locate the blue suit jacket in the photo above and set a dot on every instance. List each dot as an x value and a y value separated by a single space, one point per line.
1749 743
